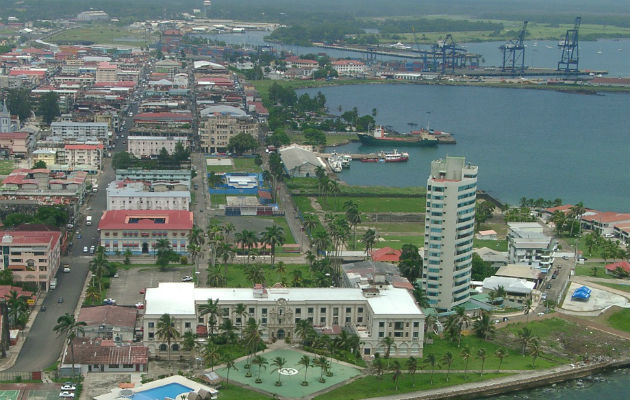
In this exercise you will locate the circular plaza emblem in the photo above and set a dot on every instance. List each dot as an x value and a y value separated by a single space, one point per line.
288 371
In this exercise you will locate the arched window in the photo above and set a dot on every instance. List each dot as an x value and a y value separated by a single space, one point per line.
163 347
175 347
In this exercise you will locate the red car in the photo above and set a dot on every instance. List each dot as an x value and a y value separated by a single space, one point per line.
143 291
140 306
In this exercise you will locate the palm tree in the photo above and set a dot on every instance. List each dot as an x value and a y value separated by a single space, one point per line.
465 355
305 361
310 222
99 265
278 363
396 373
262 363
227 328
483 326
281 268
247 240
447 358
388 343
378 365
225 252
229 364
211 308
68 326
196 236
188 341
535 350
501 353
228 229
211 354
18 307
576 212
354 218
525 335
481 354
273 236
92 293
127 255
527 307
241 312
431 360
333 188
368 240
304 330
462 320
216 277
166 331
412 367
321 240
255 274
252 338
297 278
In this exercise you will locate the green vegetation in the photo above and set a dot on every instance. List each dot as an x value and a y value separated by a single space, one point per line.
373 386
233 392
620 320
617 286
498 245
375 204
303 203
217 199
397 242
6 166
237 275
332 139
407 227
47 215
102 34
262 86
282 222
309 186
595 270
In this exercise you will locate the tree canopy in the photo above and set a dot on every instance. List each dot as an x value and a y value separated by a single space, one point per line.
49 107
242 143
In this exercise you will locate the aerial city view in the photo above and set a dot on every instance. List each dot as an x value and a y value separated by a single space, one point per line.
331 200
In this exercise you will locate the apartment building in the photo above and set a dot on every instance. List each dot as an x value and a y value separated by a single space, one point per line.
32 256
106 72
216 131
125 195
349 67
449 232
527 244
147 146
84 157
371 313
69 130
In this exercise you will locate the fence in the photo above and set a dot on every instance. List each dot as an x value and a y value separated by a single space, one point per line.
10 376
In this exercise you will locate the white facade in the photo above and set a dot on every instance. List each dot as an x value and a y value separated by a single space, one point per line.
349 67
147 146
527 244
134 196
84 157
449 231
68 130
372 314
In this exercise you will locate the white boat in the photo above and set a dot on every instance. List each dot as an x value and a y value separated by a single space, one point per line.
346 160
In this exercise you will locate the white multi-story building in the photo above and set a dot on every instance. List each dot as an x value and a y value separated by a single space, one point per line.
147 146
371 313
68 130
106 72
123 195
87 157
527 244
449 231
349 67
217 129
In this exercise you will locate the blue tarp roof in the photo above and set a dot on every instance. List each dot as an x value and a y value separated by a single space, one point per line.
582 293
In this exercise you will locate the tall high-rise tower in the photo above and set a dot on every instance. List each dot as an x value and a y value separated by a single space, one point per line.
449 232
207 4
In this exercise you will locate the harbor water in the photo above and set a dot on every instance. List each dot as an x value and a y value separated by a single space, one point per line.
532 143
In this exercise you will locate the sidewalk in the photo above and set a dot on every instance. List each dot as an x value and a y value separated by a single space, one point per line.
14 351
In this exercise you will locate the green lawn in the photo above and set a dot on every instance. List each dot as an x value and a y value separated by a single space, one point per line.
498 245
396 242
245 165
375 204
233 392
373 386
236 275
263 86
220 168
618 286
6 166
303 203
331 139
620 320
217 199
102 34
282 222
382 227
587 269
309 185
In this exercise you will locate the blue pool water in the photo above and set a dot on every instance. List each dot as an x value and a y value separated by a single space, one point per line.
171 390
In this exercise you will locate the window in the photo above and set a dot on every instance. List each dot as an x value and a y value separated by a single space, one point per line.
310 310
322 310
398 325
360 310
127 366
186 324
381 334
298 310
113 365
415 334
297 320
416 324
381 324
251 310
151 324
151 335
398 334
335 311
359 319
347 320
264 320
264 311
348 310
322 320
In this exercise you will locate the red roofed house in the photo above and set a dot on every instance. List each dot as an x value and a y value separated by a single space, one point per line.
32 256
302 63
109 322
34 76
349 67
604 222
613 268
84 157
140 230
99 355
386 254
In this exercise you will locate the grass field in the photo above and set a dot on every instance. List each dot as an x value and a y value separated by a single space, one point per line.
588 268
303 203
102 34
236 275
233 392
410 227
244 164
331 139
375 204
6 166
373 386
309 186
217 199
620 320
263 86
617 286
498 245
397 242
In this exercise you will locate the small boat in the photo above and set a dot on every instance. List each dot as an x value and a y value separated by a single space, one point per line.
394 156
346 160
371 159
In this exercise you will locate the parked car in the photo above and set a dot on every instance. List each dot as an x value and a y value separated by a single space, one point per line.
116 275
109 301
85 249
42 308
66 268
143 291
549 286
187 278
66 395
60 300
68 386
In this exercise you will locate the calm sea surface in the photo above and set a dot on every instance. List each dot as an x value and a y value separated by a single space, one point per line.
533 143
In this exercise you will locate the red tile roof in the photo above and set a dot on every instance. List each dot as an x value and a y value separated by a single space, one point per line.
84 146
564 208
605 217
6 289
32 237
109 315
620 264
13 135
386 254
18 72
98 351
120 219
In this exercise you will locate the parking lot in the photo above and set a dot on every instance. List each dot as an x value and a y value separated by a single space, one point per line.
126 288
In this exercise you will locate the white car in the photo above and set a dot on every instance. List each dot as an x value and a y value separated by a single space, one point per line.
66 395
68 386
85 249
187 279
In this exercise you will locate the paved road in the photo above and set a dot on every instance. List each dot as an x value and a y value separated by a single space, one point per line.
43 346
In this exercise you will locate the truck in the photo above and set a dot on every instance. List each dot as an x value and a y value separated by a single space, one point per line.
53 283
88 220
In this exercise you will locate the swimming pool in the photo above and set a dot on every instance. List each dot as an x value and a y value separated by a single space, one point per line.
171 390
